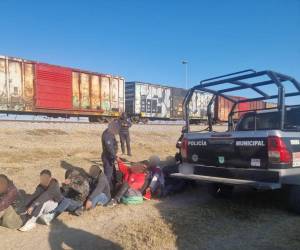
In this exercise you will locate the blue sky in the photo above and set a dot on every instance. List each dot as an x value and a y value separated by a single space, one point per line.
146 40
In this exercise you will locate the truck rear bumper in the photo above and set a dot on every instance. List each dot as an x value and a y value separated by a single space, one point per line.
258 178
256 184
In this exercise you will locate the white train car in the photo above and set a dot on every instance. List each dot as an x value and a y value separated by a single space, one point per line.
148 100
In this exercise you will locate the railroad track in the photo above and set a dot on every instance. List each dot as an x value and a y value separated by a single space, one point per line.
82 122
37 121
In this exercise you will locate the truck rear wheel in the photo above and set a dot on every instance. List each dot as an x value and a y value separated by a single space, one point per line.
221 190
294 198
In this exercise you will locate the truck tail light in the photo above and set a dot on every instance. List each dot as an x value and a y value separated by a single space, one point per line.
277 150
184 148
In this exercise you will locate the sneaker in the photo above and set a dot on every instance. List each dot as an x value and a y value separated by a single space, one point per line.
47 218
78 211
29 225
112 203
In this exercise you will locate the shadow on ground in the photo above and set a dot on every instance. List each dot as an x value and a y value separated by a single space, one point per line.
248 220
62 237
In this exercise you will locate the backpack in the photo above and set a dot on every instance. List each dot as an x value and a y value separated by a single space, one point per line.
132 200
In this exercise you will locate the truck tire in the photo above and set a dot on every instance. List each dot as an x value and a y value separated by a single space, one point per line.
294 198
221 190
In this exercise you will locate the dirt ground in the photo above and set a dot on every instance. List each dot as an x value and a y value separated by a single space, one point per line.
190 220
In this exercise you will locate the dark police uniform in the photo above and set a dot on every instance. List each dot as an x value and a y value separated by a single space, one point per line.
124 135
109 154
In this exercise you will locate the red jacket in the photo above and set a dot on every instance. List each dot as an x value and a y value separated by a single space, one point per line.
135 179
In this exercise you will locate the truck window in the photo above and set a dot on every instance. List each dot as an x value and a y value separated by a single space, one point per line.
293 120
270 120
267 121
247 123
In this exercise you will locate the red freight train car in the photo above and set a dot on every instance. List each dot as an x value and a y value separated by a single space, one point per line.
29 87
223 108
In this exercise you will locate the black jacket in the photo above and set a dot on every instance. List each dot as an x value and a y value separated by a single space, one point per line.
125 124
99 185
43 194
109 145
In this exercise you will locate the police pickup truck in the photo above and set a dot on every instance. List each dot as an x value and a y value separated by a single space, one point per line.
261 149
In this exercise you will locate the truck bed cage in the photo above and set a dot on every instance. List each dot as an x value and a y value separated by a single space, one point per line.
240 80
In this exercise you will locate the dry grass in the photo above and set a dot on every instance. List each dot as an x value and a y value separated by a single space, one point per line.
43 132
192 220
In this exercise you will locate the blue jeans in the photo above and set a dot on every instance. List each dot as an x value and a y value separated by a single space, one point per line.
100 199
67 204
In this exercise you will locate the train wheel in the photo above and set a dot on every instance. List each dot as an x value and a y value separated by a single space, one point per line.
92 119
144 120
108 119
135 119
100 119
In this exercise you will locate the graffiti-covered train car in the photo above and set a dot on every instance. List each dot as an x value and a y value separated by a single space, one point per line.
30 87
155 101
148 100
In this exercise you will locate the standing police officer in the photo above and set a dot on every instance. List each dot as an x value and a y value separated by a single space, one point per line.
109 153
125 124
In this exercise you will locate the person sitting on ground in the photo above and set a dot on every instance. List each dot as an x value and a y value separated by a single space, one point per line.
75 190
155 179
99 188
133 181
9 218
173 185
44 200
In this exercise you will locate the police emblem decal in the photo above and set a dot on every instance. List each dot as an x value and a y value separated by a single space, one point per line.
221 159
195 157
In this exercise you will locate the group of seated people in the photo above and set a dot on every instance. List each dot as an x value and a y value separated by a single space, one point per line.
79 192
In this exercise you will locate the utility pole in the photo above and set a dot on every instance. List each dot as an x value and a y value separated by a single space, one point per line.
184 62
